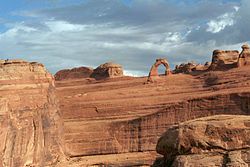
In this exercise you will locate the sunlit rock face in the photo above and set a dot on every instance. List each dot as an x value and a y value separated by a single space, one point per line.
30 122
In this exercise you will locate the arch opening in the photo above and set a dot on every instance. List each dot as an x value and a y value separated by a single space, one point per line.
161 70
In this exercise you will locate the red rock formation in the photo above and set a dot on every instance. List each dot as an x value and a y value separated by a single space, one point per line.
110 122
191 67
185 68
244 58
223 60
30 122
74 73
154 69
215 141
107 70
124 116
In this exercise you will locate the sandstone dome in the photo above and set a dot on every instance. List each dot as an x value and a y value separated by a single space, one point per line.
107 70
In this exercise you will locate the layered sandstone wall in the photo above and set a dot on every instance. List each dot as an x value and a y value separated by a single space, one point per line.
30 120
141 134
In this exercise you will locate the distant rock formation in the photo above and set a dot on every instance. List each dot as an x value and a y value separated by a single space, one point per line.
30 121
154 69
221 60
221 140
224 59
244 57
185 68
74 73
190 67
107 70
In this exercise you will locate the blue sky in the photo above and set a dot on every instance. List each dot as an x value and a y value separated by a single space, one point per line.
68 33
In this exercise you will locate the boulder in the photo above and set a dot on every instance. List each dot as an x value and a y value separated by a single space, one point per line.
224 59
244 57
107 70
222 140
74 73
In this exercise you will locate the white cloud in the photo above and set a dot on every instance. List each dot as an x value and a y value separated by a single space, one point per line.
134 73
16 30
236 8
62 26
220 23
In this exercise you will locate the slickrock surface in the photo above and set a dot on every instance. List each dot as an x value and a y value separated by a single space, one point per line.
74 73
222 140
224 59
30 123
107 70
124 115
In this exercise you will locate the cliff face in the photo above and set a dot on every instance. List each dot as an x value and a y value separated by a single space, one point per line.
124 115
30 121
141 134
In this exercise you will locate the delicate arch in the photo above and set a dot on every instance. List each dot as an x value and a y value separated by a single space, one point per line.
154 68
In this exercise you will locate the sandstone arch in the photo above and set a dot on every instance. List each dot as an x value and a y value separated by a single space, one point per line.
154 69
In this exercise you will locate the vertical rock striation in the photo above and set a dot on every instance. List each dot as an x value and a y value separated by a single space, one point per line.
29 117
